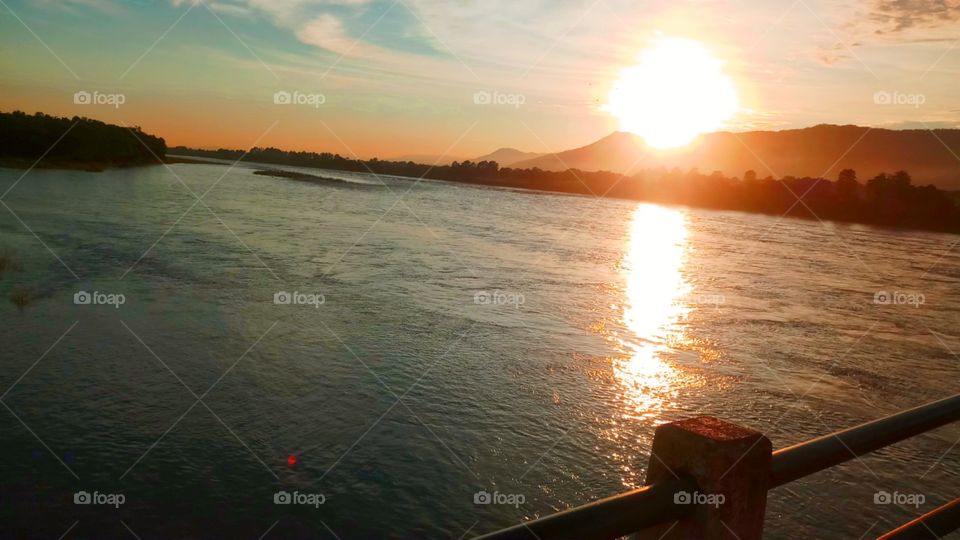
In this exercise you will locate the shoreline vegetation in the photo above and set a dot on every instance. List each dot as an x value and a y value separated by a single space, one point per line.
301 177
887 199
50 142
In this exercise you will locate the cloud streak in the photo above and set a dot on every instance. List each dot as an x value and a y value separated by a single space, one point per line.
898 16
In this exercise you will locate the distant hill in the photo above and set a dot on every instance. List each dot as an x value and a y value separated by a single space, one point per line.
823 150
506 157
74 143
616 152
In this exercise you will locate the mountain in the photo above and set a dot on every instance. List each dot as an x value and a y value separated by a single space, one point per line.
616 152
506 157
930 156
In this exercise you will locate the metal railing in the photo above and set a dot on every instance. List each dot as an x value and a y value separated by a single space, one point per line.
655 505
935 524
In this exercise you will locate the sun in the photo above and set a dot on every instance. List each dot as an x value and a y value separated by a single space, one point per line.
676 91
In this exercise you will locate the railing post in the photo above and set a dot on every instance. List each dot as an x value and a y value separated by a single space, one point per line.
731 465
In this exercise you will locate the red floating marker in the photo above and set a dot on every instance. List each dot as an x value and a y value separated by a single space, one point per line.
291 460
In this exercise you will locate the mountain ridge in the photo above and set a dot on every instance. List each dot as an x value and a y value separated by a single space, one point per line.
931 156
506 156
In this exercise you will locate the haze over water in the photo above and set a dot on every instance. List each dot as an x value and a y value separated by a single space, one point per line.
469 339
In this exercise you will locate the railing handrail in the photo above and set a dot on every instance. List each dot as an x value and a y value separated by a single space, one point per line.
815 455
612 517
649 506
939 522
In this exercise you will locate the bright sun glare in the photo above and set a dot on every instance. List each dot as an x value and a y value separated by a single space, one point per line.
677 91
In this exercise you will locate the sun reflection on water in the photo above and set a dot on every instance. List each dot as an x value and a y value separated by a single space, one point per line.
653 304
658 357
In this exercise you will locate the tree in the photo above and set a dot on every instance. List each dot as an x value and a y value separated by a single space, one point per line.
847 177
900 180
878 183
76 141
847 186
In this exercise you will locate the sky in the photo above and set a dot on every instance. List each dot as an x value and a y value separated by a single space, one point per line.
389 78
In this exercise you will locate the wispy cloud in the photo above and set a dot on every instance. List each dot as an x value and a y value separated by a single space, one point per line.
327 32
884 23
900 21
897 16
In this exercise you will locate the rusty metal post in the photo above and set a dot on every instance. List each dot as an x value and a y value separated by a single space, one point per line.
731 466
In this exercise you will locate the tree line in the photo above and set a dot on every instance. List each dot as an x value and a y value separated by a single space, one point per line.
88 144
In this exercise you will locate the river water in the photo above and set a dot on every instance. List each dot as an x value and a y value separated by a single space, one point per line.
440 340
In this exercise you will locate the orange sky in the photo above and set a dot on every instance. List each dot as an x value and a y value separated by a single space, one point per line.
401 78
